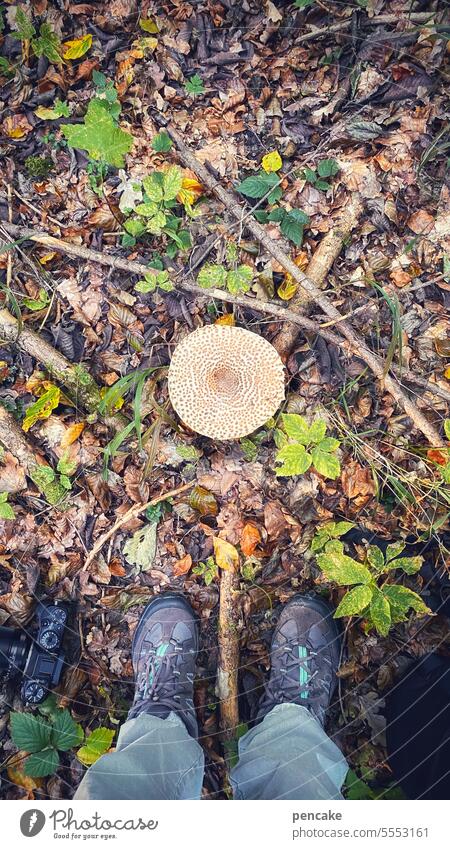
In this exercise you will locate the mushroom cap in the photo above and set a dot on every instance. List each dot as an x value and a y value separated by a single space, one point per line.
225 382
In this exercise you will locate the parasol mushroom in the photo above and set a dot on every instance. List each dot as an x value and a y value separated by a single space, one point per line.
225 382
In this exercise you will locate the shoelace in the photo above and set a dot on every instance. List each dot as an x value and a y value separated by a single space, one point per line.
287 681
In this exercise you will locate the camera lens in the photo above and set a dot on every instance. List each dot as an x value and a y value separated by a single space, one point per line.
13 651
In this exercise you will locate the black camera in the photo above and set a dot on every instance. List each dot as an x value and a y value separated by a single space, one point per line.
38 658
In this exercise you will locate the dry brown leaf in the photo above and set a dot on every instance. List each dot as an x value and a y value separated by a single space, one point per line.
421 222
250 538
357 482
181 567
12 476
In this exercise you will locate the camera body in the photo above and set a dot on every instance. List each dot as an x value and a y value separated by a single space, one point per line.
39 658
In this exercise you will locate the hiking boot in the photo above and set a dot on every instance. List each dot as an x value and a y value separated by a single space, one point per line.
305 655
165 646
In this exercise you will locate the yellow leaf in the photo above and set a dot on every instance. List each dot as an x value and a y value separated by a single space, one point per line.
72 433
225 554
288 288
447 373
42 408
226 320
190 191
77 47
148 25
17 777
47 258
272 161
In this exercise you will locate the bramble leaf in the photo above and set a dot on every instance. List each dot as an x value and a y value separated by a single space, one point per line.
31 733
325 462
162 142
294 460
65 732
212 275
239 279
95 745
296 427
42 763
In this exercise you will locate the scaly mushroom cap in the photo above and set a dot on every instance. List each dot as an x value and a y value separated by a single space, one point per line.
225 382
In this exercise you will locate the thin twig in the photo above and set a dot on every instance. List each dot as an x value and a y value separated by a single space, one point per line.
134 511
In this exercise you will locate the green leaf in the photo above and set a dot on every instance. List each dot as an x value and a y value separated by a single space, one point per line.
445 472
42 408
341 569
148 210
380 613
60 109
340 528
328 168
258 185
309 175
134 226
296 427
212 275
65 734
41 764
98 742
140 550
6 511
37 303
25 29
172 182
375 557
99 135
326 463
355 601
47 44
153 186
239 279
394 549
162 143
409 565
295 460
156 224
66 466
402 599
322 185
30 733
317 431
447 428
292 225
194 85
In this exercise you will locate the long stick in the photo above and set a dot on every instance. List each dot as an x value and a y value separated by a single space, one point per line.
228 665
357 344
266 307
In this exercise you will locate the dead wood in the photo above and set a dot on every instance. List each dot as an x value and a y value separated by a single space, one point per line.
228 663
319 268
356 343
79 384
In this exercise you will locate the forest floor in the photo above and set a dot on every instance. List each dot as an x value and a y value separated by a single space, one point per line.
349 100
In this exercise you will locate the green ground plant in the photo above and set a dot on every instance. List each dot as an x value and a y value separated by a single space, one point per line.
302 446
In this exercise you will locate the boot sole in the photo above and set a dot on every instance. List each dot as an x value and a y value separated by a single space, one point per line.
162 602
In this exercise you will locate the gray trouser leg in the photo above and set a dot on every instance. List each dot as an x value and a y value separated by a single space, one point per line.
288 756
154 759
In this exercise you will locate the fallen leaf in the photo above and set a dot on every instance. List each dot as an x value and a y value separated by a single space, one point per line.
271 162
225 554
72 433
18 777
16 126
181 567
203 501
77 47
421 222
12 476
357 482
250 537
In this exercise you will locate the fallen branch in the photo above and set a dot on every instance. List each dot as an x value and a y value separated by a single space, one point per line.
134 511
356 343
228 663
12 437
79 384
319 268
244 301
